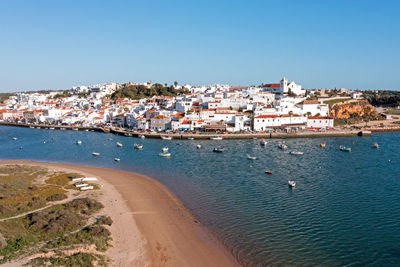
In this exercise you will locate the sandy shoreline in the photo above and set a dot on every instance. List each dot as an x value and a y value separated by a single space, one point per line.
151 227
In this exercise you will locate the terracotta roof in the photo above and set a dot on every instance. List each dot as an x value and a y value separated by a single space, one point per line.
272 85
310 102
159 117
266 116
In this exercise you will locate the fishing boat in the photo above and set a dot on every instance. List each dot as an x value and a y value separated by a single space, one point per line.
117 159
263 142
166 137
137 146
218 149
142 136
268 172
75 129
15 138
250 157
291 183
190 138
296 153
344 148
52 128
79 142
96 154
31 127
215 138
322 144
282 146
375 145
119 144
165 155
165 149
198 146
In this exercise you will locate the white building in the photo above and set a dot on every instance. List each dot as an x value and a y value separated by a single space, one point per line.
319 122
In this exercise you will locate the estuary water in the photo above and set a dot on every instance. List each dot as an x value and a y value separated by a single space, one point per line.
344 210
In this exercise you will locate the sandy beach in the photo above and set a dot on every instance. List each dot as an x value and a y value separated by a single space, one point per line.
151 227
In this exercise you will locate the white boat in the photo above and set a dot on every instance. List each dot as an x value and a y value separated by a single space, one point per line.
84 188
263 142
52 128
95 154
117 159
89 179
142 137
291 183
15 138
296 153
198 146
344 148
109 138
282 146
165 149
79 142
63 129
31 127
375 145
250 157
215 138
37 127
119 144
190 138
166 137
75 129
86 130
136 146
165 155
81 185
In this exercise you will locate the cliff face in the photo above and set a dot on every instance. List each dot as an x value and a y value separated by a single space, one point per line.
360 108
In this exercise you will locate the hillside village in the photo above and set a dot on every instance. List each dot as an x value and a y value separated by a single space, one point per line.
284 106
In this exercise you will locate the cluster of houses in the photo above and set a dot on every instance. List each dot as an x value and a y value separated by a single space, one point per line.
216 108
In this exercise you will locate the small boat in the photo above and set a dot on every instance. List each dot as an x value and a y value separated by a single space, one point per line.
263 142
44 142
119 144
282 146
165 155
250 157
296 153
190 138
109 138
344 148
15 138
166 137
37 127
165 149
31 127
322 144
218 149
117 159
96 154
142 136
375 145
215 138
87 130
291 184
128 134
63 129
198 146
136 146
52 128
75 129
79 142
268 172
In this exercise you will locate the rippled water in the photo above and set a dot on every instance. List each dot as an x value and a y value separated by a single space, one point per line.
345 209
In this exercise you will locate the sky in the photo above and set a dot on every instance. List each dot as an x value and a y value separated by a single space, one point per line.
319 44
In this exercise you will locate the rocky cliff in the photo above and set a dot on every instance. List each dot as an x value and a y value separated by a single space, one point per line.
350 109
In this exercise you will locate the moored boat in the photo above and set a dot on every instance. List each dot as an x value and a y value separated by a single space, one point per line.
142 136
166 137
96 154
190 138
79 142
263 142
268 172
322 144
165 155
250 157
15 138
282 146
344 148
296 153
119 144
198 146
137 146
165 149
375 145
216 138
117 159
218 149
291 183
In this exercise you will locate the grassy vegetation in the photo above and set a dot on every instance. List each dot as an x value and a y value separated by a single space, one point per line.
57 228
334 101
393 111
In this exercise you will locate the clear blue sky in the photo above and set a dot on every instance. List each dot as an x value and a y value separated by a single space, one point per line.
58 44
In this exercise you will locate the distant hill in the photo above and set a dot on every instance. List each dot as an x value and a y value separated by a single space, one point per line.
5 96
141 91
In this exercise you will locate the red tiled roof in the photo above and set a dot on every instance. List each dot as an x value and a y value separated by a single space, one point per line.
266 116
